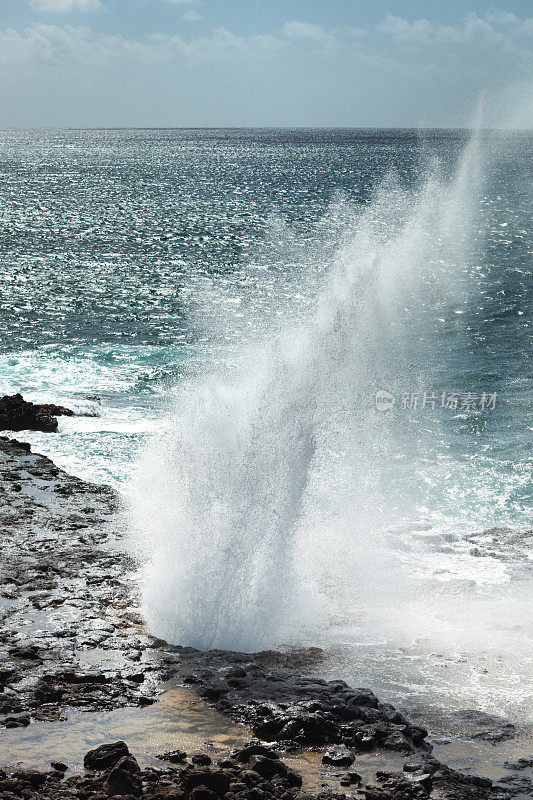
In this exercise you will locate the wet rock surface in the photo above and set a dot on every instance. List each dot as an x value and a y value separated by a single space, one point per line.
70 631
71 636
17 414
508 545
256 777
486 727
295 710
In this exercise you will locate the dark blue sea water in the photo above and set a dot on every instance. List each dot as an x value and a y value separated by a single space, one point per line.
136 262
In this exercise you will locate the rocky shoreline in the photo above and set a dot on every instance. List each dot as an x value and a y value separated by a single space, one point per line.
255 772
72 637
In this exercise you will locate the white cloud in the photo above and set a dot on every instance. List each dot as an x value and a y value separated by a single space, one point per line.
191 16
502 16
496 29
355 31
307 31
61 6
51 44
304 30
220 43
395 41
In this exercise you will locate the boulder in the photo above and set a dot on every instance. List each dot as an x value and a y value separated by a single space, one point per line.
268 767
338 757
203 793
353 777
201 759
56 411
20 721
105 756
215 780
254 749
128 763
173 756
123 782
34 777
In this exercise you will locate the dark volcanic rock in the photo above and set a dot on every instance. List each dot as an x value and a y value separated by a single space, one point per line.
254 749
17 414
284 706
56 411
21 721
216 780
173 757
27 653
351 778
432 778
269 767
129 763
34 777
55 534
203 793
123 782
201 759
105 756
522 763
338 757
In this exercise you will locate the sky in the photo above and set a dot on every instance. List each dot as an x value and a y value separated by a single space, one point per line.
237 63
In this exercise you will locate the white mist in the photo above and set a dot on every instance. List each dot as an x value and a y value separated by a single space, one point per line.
267 488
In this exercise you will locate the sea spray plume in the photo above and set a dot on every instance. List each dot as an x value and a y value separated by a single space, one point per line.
234 469
280 478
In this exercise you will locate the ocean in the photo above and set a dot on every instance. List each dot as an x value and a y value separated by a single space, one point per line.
302 355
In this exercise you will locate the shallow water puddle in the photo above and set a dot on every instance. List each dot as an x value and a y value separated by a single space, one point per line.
178 721
483 758
103 659
317 775
46 620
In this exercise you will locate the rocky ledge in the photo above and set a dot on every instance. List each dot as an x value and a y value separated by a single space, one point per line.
66 596
283 705
17 414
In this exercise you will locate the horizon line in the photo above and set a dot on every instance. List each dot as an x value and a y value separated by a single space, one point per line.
256 127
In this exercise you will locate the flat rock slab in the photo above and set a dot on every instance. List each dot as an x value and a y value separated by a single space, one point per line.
66 590
487 727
